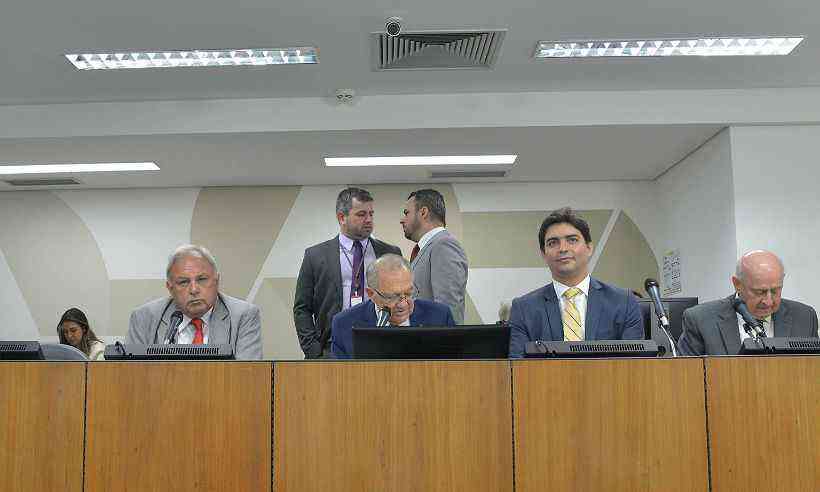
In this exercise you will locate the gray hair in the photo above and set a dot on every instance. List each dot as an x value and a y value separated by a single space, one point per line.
739 268
344 202
385 263
187 250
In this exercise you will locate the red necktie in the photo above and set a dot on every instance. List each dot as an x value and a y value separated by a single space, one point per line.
414 253
198 336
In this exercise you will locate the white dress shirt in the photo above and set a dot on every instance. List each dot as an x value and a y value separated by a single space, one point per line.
580 300
185 336
768 324
428 236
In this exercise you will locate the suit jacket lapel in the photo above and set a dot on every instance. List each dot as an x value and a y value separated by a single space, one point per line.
220 324
334 266
368 317
728 328
783 322
593 311
555 325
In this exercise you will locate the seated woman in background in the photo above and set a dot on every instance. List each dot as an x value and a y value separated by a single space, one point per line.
75 331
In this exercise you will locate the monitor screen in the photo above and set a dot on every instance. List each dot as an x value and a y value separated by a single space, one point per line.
674 306
432 342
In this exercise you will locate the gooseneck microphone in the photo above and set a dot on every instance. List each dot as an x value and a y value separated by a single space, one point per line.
384 316
750 323
171 335
650 285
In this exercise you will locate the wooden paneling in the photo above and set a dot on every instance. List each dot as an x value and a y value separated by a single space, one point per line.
41 426
179 426
764 423
614 425
392 426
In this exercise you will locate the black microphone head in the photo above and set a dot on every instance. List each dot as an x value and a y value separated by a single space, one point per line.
177 315
649 283
738 304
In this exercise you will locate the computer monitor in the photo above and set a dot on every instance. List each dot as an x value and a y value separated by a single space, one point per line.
432 342
674 306
14 350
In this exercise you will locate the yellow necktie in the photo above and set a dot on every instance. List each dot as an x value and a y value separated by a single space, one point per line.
571 318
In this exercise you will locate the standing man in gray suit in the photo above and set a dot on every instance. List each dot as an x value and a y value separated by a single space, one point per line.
714 328
208 316
332 276
438 260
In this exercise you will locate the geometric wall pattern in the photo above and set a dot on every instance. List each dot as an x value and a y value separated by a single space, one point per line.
104 251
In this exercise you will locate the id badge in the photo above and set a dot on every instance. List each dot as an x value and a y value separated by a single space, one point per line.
355 300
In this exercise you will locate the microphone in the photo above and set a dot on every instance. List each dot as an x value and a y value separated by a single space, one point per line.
384 316
751 324
650 285
171 335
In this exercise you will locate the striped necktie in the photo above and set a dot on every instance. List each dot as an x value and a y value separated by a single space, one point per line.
571 317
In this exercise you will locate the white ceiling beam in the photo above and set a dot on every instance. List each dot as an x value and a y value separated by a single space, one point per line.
581 108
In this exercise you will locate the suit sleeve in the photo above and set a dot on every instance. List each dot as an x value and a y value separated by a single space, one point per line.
337 347
249 336
519 336
303 310
691 340
448 276
815 332
633 321
137 332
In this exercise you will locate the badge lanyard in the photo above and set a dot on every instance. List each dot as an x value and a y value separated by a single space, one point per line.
357 270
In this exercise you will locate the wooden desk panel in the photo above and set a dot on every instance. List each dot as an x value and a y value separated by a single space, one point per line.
179 426
392 426
615 425
764 423
41 426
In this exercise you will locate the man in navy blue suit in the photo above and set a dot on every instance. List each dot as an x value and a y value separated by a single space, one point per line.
574 306
391 301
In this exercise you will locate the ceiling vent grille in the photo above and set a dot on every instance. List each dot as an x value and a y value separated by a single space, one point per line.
468 174
437 50
42 182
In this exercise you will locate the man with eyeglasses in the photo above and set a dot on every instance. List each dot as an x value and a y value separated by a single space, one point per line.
714 328
391 302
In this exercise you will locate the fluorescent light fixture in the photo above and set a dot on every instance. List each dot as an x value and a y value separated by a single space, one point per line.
720 46
424 160
78 168
196 58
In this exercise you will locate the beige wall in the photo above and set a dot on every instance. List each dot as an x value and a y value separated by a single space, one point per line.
86 255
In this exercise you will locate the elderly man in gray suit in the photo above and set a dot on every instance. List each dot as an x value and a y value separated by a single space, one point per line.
438 260
208 316
714 328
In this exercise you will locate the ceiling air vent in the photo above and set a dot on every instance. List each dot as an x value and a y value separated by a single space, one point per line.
468 174
42 182
437 50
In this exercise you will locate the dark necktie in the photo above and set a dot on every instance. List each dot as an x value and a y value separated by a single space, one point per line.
414 253
356 285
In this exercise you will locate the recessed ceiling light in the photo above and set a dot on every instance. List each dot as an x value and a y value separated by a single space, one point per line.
719 46
77 168
196 58
428 160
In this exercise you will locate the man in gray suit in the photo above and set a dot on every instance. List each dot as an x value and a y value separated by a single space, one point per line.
438 260
208 316
332 275
714 328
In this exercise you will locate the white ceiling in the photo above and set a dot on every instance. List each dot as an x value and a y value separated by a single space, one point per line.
34 35
545 154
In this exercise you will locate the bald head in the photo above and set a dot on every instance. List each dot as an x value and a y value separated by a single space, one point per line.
758 280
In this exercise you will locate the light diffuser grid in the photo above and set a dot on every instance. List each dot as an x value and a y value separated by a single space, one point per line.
721 46
197 58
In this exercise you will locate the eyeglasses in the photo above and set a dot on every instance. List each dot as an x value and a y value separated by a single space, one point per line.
394 299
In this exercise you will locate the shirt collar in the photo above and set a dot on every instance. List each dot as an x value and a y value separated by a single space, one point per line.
428 236
347 243
561 288
206 318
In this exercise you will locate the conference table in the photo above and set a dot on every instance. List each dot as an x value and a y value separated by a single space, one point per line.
688 424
